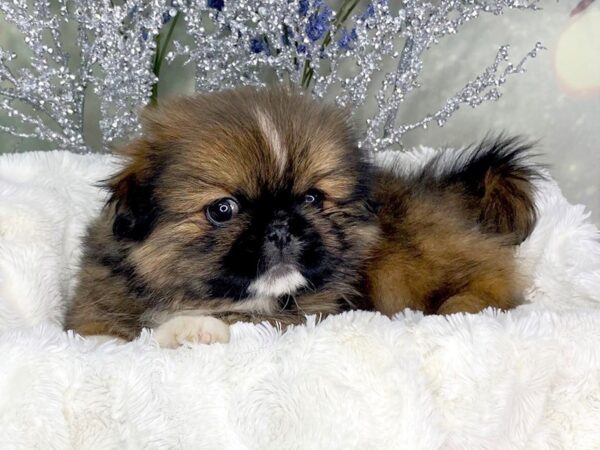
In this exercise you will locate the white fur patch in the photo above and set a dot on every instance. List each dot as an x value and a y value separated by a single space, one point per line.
268 129
261 305
183 328
279 280
264 305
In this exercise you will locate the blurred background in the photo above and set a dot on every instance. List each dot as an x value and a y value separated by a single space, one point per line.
557 101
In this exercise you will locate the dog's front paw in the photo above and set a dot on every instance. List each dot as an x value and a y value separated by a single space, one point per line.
194 329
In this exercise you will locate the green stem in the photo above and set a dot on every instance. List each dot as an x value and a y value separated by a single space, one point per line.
155 70
159 57
343 14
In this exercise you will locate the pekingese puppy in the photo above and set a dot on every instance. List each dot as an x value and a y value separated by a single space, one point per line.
257 204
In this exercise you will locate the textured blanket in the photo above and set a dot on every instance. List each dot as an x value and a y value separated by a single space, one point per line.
529 378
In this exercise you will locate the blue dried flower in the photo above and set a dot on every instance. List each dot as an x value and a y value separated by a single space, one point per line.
301 48
132 12
303 7
318 24
144 34
215 4
257 45
347 39
260 44
166 17
368 12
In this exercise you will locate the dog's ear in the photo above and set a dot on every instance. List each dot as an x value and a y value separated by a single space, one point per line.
132 193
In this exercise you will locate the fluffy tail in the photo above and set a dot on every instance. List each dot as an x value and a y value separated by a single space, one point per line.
497 178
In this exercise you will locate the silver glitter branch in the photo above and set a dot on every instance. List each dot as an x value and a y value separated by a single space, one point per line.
343 54
113 58
424 25
255 42
45 87
484 88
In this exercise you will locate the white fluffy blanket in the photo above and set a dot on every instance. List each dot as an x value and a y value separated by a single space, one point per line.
525 379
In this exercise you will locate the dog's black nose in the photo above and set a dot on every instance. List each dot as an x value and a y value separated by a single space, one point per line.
279 232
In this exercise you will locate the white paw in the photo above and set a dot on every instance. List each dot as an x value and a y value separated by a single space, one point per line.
194 329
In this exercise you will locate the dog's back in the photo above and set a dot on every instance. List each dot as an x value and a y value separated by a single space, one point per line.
449 231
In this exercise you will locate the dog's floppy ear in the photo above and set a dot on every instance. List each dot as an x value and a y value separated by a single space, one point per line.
132 193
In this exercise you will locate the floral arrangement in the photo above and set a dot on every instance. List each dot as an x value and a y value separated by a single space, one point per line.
123 47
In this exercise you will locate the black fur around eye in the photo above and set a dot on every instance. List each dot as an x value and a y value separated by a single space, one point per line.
222 211
313 197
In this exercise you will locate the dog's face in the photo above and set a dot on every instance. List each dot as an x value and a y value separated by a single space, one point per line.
244 200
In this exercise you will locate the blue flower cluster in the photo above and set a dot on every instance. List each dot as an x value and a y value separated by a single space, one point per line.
166 17
319 21
368 12
257 45
215 4
317 26
260 44
303 6
347 39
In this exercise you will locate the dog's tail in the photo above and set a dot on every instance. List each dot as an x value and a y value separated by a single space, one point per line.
497 177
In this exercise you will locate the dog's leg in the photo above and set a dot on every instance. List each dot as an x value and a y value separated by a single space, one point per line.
488 291
462 303
101 332
178 329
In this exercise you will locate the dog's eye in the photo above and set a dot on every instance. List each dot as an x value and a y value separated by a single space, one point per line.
222 211
313 197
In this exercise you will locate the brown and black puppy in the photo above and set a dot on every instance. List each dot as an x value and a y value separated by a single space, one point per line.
258 205
242 205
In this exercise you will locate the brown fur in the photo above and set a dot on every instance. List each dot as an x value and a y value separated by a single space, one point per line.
433 259
152 251
449 231
440 243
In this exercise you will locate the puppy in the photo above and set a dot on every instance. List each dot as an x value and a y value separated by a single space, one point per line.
242 205
258 205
